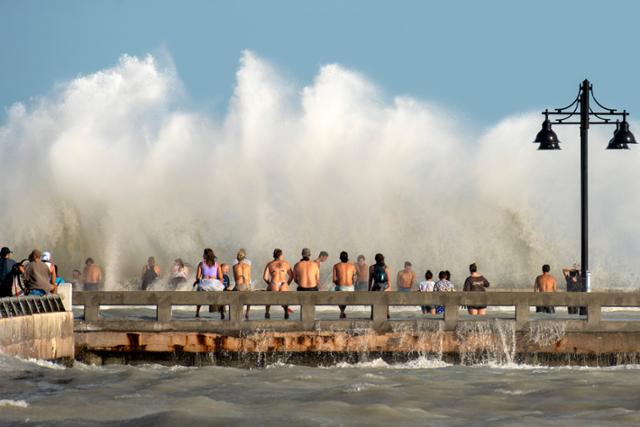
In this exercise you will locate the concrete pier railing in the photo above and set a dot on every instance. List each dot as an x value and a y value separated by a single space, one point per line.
36 327
379 301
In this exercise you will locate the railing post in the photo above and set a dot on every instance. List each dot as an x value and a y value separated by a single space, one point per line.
236 317
451 315
163 310
594 314
308 316
522 315
91 309
379 310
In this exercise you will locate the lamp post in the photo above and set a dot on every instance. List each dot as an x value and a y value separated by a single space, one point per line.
548 140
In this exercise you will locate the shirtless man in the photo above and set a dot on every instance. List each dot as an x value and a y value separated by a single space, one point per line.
306 273
545 283
242 275
362 283
278 276
406 278
344 276
91 276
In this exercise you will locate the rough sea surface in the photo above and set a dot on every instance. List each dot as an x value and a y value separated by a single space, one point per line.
421 392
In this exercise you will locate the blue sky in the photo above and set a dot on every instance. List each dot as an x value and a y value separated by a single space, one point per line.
483 59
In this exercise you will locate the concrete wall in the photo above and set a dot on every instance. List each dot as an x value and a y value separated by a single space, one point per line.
47 336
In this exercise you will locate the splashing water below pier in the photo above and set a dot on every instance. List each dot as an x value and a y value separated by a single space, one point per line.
423 391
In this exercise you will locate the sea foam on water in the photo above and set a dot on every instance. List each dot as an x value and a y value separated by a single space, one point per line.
114 166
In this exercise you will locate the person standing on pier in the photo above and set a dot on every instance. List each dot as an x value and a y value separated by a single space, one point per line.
545 283
209 277
91 275
278 276
362 281
443 285
150 273
306 273
242 275
406 278
573 277
476 283
344 276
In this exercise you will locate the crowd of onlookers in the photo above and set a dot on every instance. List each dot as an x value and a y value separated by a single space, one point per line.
38 275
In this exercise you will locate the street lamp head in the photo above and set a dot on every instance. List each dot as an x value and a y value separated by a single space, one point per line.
547 138
621 138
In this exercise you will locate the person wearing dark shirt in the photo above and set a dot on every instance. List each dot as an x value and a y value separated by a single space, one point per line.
475 283
573 276
6 278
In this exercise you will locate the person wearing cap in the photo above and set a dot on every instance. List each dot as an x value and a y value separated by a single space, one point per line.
6 263
47 258
306 273
242 275
38 280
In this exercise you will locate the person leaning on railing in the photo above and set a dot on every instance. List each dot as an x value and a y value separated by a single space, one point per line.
37 277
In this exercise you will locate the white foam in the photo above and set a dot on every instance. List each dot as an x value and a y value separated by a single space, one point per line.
376 165
14 403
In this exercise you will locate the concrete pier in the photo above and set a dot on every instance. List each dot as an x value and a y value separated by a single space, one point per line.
308 339
36 327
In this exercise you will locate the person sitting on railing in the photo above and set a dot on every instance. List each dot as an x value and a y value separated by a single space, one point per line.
38 280
545 283
278 276
306 273
476 283
209 277
344 276
242 275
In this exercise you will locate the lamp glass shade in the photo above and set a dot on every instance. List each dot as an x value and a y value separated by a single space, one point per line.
547 138
621 138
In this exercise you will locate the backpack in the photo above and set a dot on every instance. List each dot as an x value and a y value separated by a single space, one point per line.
379 274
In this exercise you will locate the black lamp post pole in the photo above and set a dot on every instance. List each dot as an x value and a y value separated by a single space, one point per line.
584 183
548 140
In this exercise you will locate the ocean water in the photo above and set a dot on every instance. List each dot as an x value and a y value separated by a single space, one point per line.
420 392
